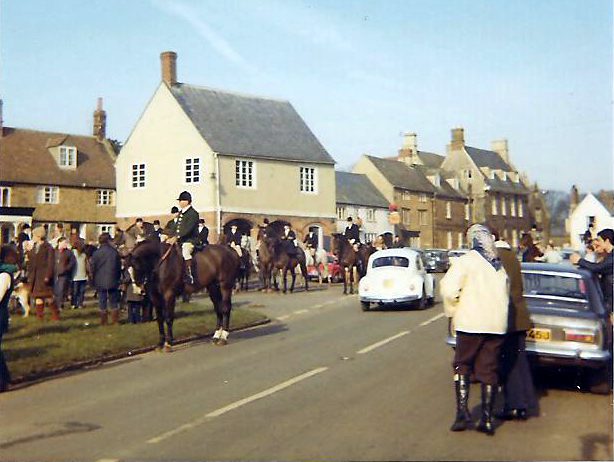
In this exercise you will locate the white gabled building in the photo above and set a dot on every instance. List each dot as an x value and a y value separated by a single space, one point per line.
588 211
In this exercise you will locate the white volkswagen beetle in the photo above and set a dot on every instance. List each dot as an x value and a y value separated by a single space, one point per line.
396 276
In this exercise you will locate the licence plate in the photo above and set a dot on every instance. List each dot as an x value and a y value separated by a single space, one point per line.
388 283
539 335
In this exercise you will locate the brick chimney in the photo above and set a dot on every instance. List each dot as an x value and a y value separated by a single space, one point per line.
168 60
100 122
458 138
574 199
500 147
409 151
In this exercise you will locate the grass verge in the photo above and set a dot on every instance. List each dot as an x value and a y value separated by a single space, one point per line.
32 348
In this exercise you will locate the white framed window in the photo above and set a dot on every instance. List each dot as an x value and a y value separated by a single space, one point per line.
68 156
105 197
467 217
460 239
48 195
105 229
449 238
504 176
503 206
423 217
308 180
405 215
513 207
370 214
520 209
514 238
467 174
448 210
422 197
245 174
494 205
192 170
370 237
406 195
138 175
341 213
5 196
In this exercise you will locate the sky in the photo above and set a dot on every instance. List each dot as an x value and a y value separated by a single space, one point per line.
359 72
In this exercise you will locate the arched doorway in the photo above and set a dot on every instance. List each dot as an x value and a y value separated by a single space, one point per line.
278 226
243 226
319 231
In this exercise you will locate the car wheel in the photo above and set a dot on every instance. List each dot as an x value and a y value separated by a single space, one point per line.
600 381
422 301
365 306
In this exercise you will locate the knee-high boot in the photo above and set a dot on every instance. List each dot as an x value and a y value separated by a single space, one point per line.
463 418
55 312
188 279
488 398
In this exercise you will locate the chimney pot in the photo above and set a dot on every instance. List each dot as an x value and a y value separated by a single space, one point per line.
168 60
458 138
100 121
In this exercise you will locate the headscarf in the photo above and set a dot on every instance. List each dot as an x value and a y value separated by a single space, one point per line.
481 240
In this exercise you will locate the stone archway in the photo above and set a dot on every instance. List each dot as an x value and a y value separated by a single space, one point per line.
243 226
278 226
318 229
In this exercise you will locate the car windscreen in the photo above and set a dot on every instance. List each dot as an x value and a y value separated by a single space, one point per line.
554 285
391 260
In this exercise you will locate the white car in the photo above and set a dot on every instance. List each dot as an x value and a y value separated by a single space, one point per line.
396 276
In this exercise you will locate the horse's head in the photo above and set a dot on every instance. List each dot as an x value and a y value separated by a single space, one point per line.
526 241
338 243
141 261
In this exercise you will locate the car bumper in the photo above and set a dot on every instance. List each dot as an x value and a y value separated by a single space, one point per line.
385 300
560 356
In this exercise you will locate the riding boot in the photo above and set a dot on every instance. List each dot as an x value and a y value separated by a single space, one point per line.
488 398
103 318
463 418
55 312
188 279
114 315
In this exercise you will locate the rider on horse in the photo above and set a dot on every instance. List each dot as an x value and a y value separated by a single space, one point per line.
186 232
233 238
311 242
352 233
288 239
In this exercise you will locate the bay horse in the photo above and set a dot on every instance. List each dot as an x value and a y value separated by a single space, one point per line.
158 269
271 250
129 237
348 260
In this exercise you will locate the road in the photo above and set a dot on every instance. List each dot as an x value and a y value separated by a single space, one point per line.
323 380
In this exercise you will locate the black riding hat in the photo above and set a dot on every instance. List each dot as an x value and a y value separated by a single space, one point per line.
185 196
174 209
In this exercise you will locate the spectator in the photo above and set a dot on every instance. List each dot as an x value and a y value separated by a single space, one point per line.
551 255
134 297
475 296
64 266
515 373
8 268
57 234
106 270
41 274
74 238
79 279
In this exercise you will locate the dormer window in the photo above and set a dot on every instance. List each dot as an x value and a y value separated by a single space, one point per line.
68 157
504 176
492 174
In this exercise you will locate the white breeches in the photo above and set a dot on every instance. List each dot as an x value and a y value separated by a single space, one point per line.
186 250
237 249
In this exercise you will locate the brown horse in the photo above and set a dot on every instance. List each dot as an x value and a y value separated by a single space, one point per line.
348 259
271 250
158 269
128 238
530 251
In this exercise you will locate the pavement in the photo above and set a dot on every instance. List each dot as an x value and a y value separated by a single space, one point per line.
323 381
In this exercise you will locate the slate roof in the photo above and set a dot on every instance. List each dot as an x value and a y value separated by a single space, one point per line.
25 158
490 159
400 175
444 190
507 186
242 125
357 189
430 159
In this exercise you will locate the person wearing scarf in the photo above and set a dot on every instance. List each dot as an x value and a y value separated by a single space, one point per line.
476 296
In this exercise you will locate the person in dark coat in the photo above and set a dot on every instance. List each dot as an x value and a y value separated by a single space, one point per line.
41 270
8 268
311 242
288 238
514 370
134 298
186 233
171 225
233 240
157 228
65 263
352 233
203 232
106 270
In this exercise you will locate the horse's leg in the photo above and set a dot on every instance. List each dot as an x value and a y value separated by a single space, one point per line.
283 273
160 320
353 279
346 276
305 276
293 271
226 306
169 312
216 296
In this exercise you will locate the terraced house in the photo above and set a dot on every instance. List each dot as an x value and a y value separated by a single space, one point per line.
242 158
50 178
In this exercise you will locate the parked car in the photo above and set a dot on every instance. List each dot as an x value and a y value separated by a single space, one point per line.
437 260
570 325
565 254
335 271
396 276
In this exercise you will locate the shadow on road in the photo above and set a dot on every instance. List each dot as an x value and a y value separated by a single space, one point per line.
69 428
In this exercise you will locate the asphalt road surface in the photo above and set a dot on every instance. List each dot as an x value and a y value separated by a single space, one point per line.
322 381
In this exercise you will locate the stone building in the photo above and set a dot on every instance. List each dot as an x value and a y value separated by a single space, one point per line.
48 178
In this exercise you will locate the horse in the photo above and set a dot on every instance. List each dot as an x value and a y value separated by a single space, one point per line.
246 264
530 251
265 259
320 257
348 259
271 249
129 237
158 269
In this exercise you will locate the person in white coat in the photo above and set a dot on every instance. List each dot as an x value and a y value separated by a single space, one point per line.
475 295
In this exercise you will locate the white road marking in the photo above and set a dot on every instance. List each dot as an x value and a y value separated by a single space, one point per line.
107 460
434 318
383 342
237 404
285 316
301 311
319 305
